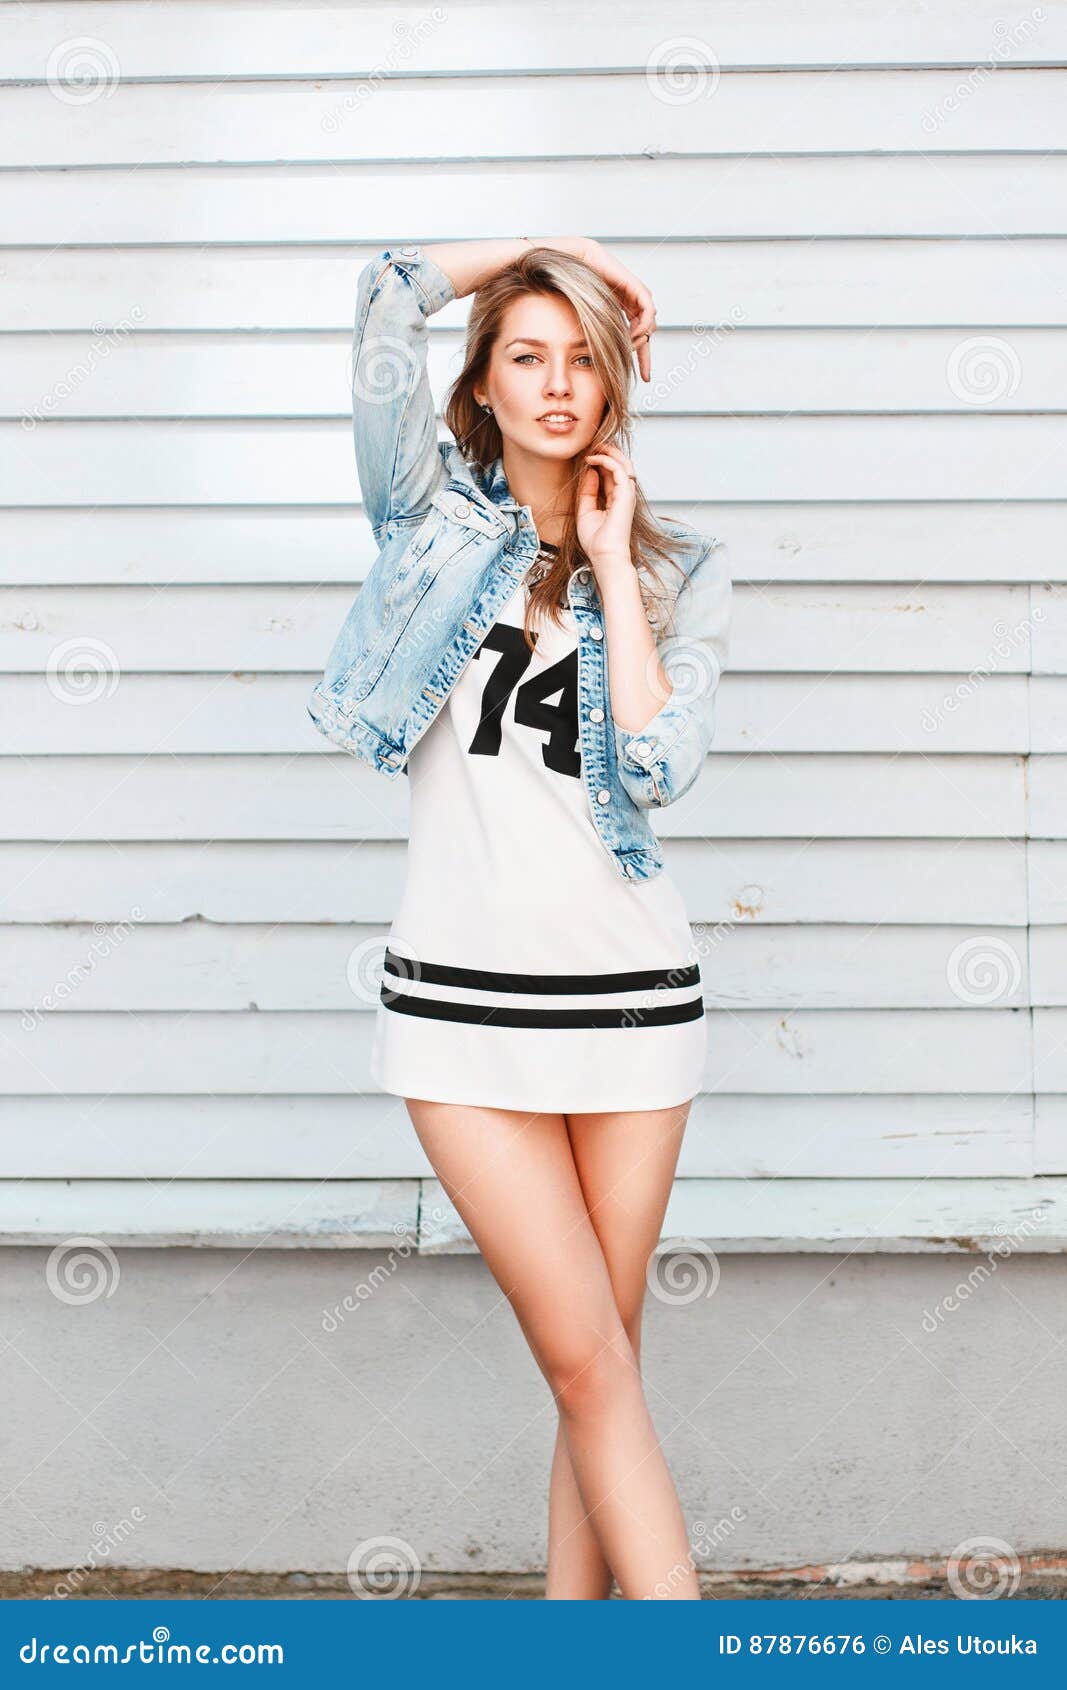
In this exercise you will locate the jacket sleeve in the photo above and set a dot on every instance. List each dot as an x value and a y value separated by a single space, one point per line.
394 427
660 763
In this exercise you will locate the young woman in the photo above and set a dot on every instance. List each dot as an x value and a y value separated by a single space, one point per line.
539 654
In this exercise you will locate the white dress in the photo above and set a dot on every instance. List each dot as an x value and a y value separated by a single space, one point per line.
522 970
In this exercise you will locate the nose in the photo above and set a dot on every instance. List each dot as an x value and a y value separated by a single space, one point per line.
557 381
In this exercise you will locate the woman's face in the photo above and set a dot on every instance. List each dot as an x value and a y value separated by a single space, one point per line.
541 384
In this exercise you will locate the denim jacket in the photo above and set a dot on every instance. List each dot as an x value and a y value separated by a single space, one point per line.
452 547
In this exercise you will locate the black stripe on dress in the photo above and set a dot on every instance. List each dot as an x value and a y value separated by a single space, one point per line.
492 980
437 1009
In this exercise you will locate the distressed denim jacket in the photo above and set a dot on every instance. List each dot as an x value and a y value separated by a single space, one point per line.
453 546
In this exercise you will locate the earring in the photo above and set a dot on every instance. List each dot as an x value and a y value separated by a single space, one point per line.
488 409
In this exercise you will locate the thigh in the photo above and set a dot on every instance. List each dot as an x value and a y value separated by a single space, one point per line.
513 1179
626 1163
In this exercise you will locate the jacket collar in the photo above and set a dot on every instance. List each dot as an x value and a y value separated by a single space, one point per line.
490 481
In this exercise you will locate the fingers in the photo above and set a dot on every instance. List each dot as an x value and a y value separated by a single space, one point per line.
619 481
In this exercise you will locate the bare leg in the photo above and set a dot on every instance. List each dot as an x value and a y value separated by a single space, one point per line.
626 1163
514 1180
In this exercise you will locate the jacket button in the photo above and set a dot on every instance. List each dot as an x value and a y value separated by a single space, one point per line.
462 508
596 632
596 714
603 796
409 252
638 747
583 575
630 870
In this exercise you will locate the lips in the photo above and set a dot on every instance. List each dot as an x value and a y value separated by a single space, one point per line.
558 422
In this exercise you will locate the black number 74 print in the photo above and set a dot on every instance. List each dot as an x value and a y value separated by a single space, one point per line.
559 721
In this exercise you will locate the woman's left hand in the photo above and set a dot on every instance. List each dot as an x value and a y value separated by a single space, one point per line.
604 535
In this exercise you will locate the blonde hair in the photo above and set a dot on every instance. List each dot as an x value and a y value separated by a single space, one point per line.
476 432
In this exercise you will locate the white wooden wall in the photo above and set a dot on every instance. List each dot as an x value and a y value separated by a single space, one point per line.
857 242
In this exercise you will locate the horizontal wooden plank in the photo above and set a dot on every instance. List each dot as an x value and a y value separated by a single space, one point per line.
1049 624
860 881
805 372
747 458
1047 891
186 38
337 797
194 965
667 199
1050 1049
1050 1134
748 1050
1048 958
834 284
251 712
345 1137
1048 798
994 1217
937 1216
526 117
961 637
778 541
234 1214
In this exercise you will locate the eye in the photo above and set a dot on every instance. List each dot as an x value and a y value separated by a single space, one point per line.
586 358
522 357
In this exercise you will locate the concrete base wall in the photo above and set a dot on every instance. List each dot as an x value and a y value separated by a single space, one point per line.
222 1409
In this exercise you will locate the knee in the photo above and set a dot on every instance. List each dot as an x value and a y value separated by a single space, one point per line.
587 1377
